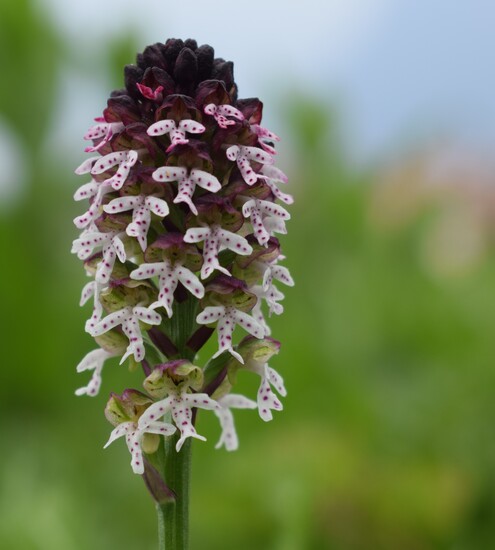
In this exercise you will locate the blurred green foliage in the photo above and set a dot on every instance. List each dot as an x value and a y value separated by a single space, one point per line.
387 438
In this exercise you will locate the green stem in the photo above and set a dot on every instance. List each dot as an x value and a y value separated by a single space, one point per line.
173 517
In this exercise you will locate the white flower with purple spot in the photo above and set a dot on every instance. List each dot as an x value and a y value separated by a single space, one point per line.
102 130
177 133
142 207
227 317
134 434
266 138
221 112
111 246
266 217
180 405
95 191
92 289
271 175
128 318
94 361
257 313
216 239
169 277
187 182
125 160
266 398
277 272
268 292
228 437
244 155
271 296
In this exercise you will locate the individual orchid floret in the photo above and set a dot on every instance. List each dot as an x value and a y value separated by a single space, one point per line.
271 295
94 361
267 400
256 355
227 317
125 161
244 155
142 206
187 183
177 133
266 138
216 239
111 245
92 289
128 318
228 437
95 191
268 292
102 130
126 412
257 313
263 214
271 175
180 405
221 112
277 272
169 277
133 438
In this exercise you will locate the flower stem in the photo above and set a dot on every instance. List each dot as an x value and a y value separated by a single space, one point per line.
173 517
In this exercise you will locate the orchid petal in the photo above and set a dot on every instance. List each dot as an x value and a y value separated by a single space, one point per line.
249 324
146 271
161 127
169 173
234 242
196 234
161 428
267 401
86 166
256 154
109 161
191 126
133 440
121 204
119 431
190 281
86 191
155 412
159 207
147 315
112 320
210 314
205 180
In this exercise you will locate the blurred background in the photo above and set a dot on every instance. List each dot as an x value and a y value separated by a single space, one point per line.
386 442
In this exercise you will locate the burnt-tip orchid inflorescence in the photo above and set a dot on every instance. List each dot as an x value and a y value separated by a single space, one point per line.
179 240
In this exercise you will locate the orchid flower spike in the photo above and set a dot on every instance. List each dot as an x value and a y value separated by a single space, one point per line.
179 236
